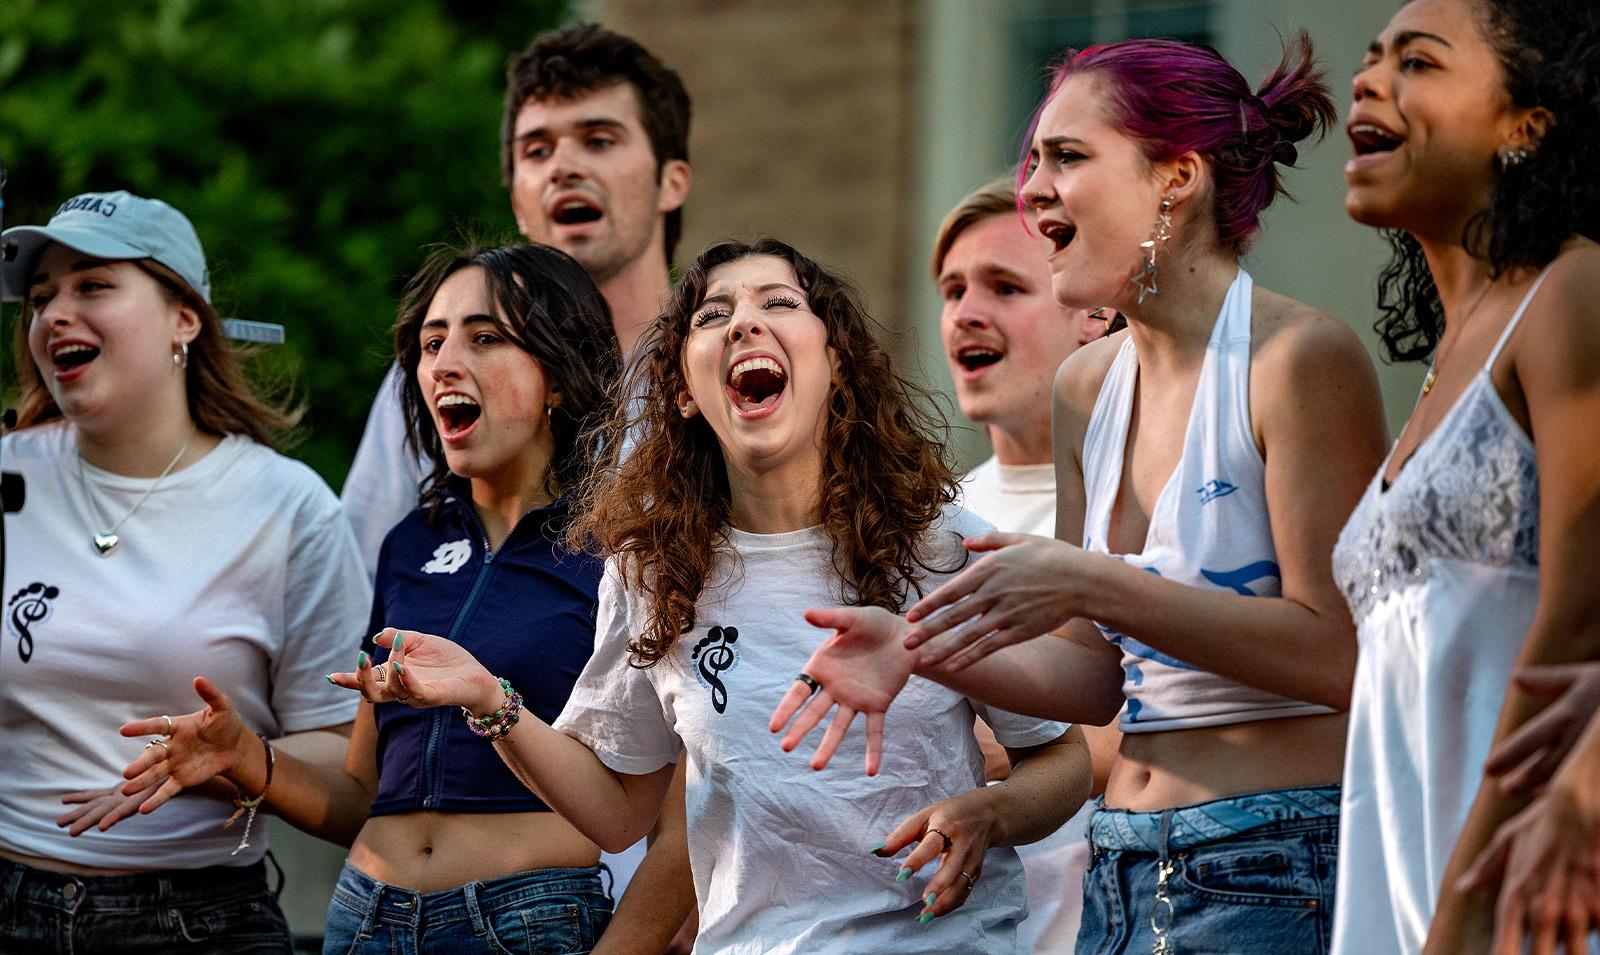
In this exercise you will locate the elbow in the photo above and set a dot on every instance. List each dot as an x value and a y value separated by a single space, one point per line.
1104 710
618 843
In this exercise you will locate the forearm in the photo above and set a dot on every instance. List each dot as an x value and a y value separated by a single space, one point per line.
1054 677
310 789
1043 790
1269 643
660 896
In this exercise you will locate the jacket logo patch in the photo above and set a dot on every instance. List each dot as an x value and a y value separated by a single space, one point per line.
449 558
28 609
714 655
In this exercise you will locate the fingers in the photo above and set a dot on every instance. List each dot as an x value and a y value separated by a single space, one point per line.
1489 867
994 540
832 738
1549 680
874 742
904 834
809 717
159 798
954 624
797 696
385 637
1536 772
122 809
212 696
151 756
926 849
833 618
961 585
349 679
366 680
1540 731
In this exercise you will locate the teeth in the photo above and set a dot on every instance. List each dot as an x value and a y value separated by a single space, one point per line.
754 364
72 350
450 401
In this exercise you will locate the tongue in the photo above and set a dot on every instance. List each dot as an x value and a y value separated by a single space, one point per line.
458 418
757 389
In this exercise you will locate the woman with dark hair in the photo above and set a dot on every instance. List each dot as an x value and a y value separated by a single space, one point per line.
508 357
778 462
1476 131
1205 460
162 535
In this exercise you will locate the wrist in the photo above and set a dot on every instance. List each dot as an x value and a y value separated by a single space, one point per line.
247 764
487 695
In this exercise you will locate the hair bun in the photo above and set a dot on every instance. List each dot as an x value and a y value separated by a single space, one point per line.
1285 153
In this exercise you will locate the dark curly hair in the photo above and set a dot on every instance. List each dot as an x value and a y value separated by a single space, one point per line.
545 304
1550 52
663 506
584 58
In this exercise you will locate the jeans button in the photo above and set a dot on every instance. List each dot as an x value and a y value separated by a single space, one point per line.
69 891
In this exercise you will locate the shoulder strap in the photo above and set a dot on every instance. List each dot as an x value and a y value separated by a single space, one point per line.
1516 317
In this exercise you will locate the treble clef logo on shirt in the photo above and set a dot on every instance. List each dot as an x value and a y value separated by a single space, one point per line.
715 655
26 609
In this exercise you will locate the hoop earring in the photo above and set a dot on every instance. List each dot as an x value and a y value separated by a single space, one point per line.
1510 156
1159 234
180 355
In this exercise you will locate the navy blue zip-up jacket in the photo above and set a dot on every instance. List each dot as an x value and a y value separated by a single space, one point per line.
526 611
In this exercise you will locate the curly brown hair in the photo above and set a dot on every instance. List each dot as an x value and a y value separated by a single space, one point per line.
662 506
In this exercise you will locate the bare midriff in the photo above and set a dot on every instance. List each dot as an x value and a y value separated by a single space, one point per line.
433 851
1171 768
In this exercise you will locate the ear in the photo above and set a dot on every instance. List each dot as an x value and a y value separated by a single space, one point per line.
686 405
1182 177
553 396
676 177
1530 128
187 328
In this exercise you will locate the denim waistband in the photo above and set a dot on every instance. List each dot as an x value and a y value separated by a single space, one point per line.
381 903
140 889
1186 826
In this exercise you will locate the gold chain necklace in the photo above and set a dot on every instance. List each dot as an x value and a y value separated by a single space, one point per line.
107 541
1433 367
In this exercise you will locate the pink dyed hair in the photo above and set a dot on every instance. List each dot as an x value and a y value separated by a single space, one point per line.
1176 97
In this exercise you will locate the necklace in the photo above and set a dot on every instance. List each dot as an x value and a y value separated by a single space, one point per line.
106 542
1433 366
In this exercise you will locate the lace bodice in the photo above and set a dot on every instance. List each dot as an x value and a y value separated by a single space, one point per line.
1469 493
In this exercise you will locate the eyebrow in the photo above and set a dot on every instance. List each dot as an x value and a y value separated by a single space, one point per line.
82 265
724 298
583 125
474 319
1407 36
1054 141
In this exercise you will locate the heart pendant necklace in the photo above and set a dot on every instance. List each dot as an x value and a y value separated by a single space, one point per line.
106 541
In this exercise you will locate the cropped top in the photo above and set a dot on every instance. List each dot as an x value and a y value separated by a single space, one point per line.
525 611
1209 527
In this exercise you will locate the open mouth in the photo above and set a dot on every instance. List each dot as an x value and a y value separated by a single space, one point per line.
1368 139
755 383
457 414
69 357
974 357
575 211
1059 233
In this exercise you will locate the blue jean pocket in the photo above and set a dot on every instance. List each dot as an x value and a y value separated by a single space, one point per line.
1253 876
550 927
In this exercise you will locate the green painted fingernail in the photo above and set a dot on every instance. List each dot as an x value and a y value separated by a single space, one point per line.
928 899
329 678
399 638
877 848
400 669
925 918
362 660
905 873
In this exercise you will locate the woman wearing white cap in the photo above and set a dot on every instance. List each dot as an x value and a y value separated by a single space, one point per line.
162 537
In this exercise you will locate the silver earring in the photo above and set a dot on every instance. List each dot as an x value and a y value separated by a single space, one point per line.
180 355
1509 157
1159 234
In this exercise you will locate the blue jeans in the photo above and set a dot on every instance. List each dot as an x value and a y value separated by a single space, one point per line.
552 911
1252 873
220 909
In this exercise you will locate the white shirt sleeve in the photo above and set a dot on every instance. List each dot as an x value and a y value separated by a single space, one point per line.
614 708
327 600
381 487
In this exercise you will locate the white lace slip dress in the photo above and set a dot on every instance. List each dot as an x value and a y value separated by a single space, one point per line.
1441 571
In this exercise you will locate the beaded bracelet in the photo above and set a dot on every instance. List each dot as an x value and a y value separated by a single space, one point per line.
497 725
242 806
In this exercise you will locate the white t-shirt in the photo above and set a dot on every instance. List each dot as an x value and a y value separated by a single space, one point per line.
781 854
1022 498
238 568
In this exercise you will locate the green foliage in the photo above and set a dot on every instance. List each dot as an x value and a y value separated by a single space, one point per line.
318 146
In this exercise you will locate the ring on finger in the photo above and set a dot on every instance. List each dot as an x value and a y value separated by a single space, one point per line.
167 721
380 674
972 880
165 751
810 681
948 842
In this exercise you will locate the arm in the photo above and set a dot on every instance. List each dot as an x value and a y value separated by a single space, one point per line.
1557 367
661 894
1046 786
612 809
1319 422
322 780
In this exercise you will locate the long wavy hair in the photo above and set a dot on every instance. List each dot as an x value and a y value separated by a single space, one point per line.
222 398
1549 51
663 506
545 304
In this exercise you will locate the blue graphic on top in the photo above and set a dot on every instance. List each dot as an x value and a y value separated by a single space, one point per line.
1213 489
1146 652
1235 580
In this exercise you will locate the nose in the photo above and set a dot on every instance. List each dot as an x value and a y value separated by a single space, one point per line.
745 323
446 363
969 314
1036 192
1364 84
566 162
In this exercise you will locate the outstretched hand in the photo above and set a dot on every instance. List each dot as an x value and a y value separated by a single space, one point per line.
201 745
99 809
956 831
422 671
860 669
1527 758
1026 587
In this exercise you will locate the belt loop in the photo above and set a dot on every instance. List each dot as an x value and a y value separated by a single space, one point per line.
1166 833
369 918
611 884
469 892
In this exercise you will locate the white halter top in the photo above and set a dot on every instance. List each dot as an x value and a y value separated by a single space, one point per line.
1209 527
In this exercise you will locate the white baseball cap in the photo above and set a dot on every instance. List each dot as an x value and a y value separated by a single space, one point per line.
107 225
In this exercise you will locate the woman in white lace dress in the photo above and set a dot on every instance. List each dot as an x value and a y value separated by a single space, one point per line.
1475 135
